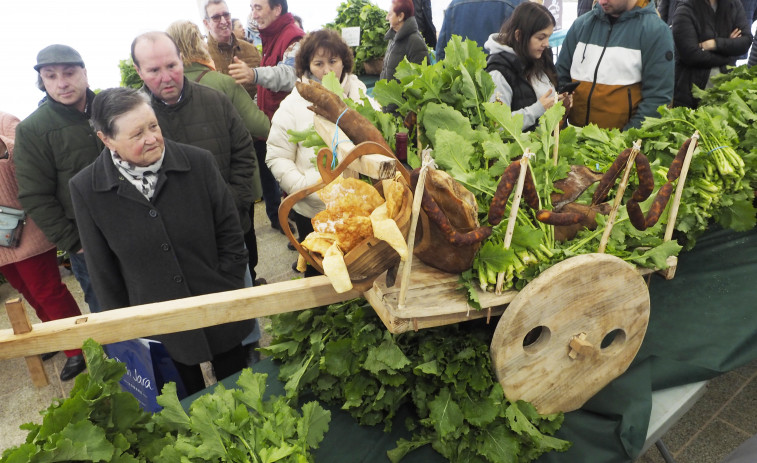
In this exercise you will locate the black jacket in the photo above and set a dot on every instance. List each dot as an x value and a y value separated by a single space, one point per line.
206 118
511 68
184 242
407 42
425 21
693 23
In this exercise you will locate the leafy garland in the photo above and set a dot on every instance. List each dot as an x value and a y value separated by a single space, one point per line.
344 355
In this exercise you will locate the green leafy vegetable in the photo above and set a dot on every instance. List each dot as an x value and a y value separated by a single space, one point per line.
444 373
99 422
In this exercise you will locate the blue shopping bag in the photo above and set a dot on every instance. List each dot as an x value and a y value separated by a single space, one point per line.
148 368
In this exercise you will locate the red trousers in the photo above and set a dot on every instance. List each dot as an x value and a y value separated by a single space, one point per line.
38 280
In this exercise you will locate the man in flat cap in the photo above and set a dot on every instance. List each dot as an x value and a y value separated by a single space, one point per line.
52 145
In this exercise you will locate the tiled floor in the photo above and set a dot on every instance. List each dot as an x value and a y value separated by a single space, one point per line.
719 422
722 419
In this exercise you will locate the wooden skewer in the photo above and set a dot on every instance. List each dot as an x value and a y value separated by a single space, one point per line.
513 213
619 197
419 188
557 138
673 213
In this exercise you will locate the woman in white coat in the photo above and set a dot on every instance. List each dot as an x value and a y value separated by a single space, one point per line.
292 164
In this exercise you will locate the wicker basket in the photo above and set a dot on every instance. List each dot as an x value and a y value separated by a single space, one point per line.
371 257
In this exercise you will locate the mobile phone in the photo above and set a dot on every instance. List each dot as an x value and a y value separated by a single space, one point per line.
568 88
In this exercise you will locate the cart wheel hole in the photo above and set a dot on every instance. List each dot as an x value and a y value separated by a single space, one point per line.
536 339
613 339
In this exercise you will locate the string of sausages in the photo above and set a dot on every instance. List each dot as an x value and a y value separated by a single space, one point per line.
531 197
645 188
505 187
635 215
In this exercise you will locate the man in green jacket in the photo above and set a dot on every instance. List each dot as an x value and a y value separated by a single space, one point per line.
52 145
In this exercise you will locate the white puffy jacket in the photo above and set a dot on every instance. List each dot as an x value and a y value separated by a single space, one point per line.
291 163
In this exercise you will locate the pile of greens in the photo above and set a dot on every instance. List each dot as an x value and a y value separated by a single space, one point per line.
100 422
345 356
373 26
474 141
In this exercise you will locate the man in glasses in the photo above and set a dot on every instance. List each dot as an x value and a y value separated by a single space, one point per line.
223 44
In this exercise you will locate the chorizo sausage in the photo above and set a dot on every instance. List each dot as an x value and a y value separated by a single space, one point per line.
659 203
646 178
675 167
455 237
608 179
505 187
559 218
635 215
530 194
637 218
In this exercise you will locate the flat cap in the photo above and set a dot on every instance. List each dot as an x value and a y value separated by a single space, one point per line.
58 54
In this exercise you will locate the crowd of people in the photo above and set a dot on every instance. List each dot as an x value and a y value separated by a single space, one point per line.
150 192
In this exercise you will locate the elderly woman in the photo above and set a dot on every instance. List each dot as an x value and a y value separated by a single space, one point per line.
404 38
292 164
159 223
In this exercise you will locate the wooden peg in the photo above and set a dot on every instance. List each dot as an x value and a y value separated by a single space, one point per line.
580 346
20 324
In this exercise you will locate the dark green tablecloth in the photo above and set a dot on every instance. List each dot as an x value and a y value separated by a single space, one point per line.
701 325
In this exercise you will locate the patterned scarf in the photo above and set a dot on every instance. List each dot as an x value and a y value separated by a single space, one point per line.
143 178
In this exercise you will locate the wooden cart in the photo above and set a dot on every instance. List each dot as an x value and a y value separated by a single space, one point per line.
563 337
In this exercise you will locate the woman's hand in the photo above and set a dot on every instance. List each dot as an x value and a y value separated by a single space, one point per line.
735 34
548 99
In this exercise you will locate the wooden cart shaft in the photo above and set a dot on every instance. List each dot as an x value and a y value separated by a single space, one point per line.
171 316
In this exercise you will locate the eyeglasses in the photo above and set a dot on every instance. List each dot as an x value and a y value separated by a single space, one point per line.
217 17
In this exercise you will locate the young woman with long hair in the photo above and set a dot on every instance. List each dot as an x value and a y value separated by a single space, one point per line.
521 65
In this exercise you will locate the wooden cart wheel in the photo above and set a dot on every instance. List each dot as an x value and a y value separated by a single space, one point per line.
571 331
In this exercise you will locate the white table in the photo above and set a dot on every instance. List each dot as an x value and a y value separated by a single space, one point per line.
669 406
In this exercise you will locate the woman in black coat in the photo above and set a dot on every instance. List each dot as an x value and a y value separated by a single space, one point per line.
709 35
159 223
404 38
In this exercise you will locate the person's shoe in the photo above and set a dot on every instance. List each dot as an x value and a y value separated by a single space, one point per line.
49 355
294 267
74 365
259 282
291 247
